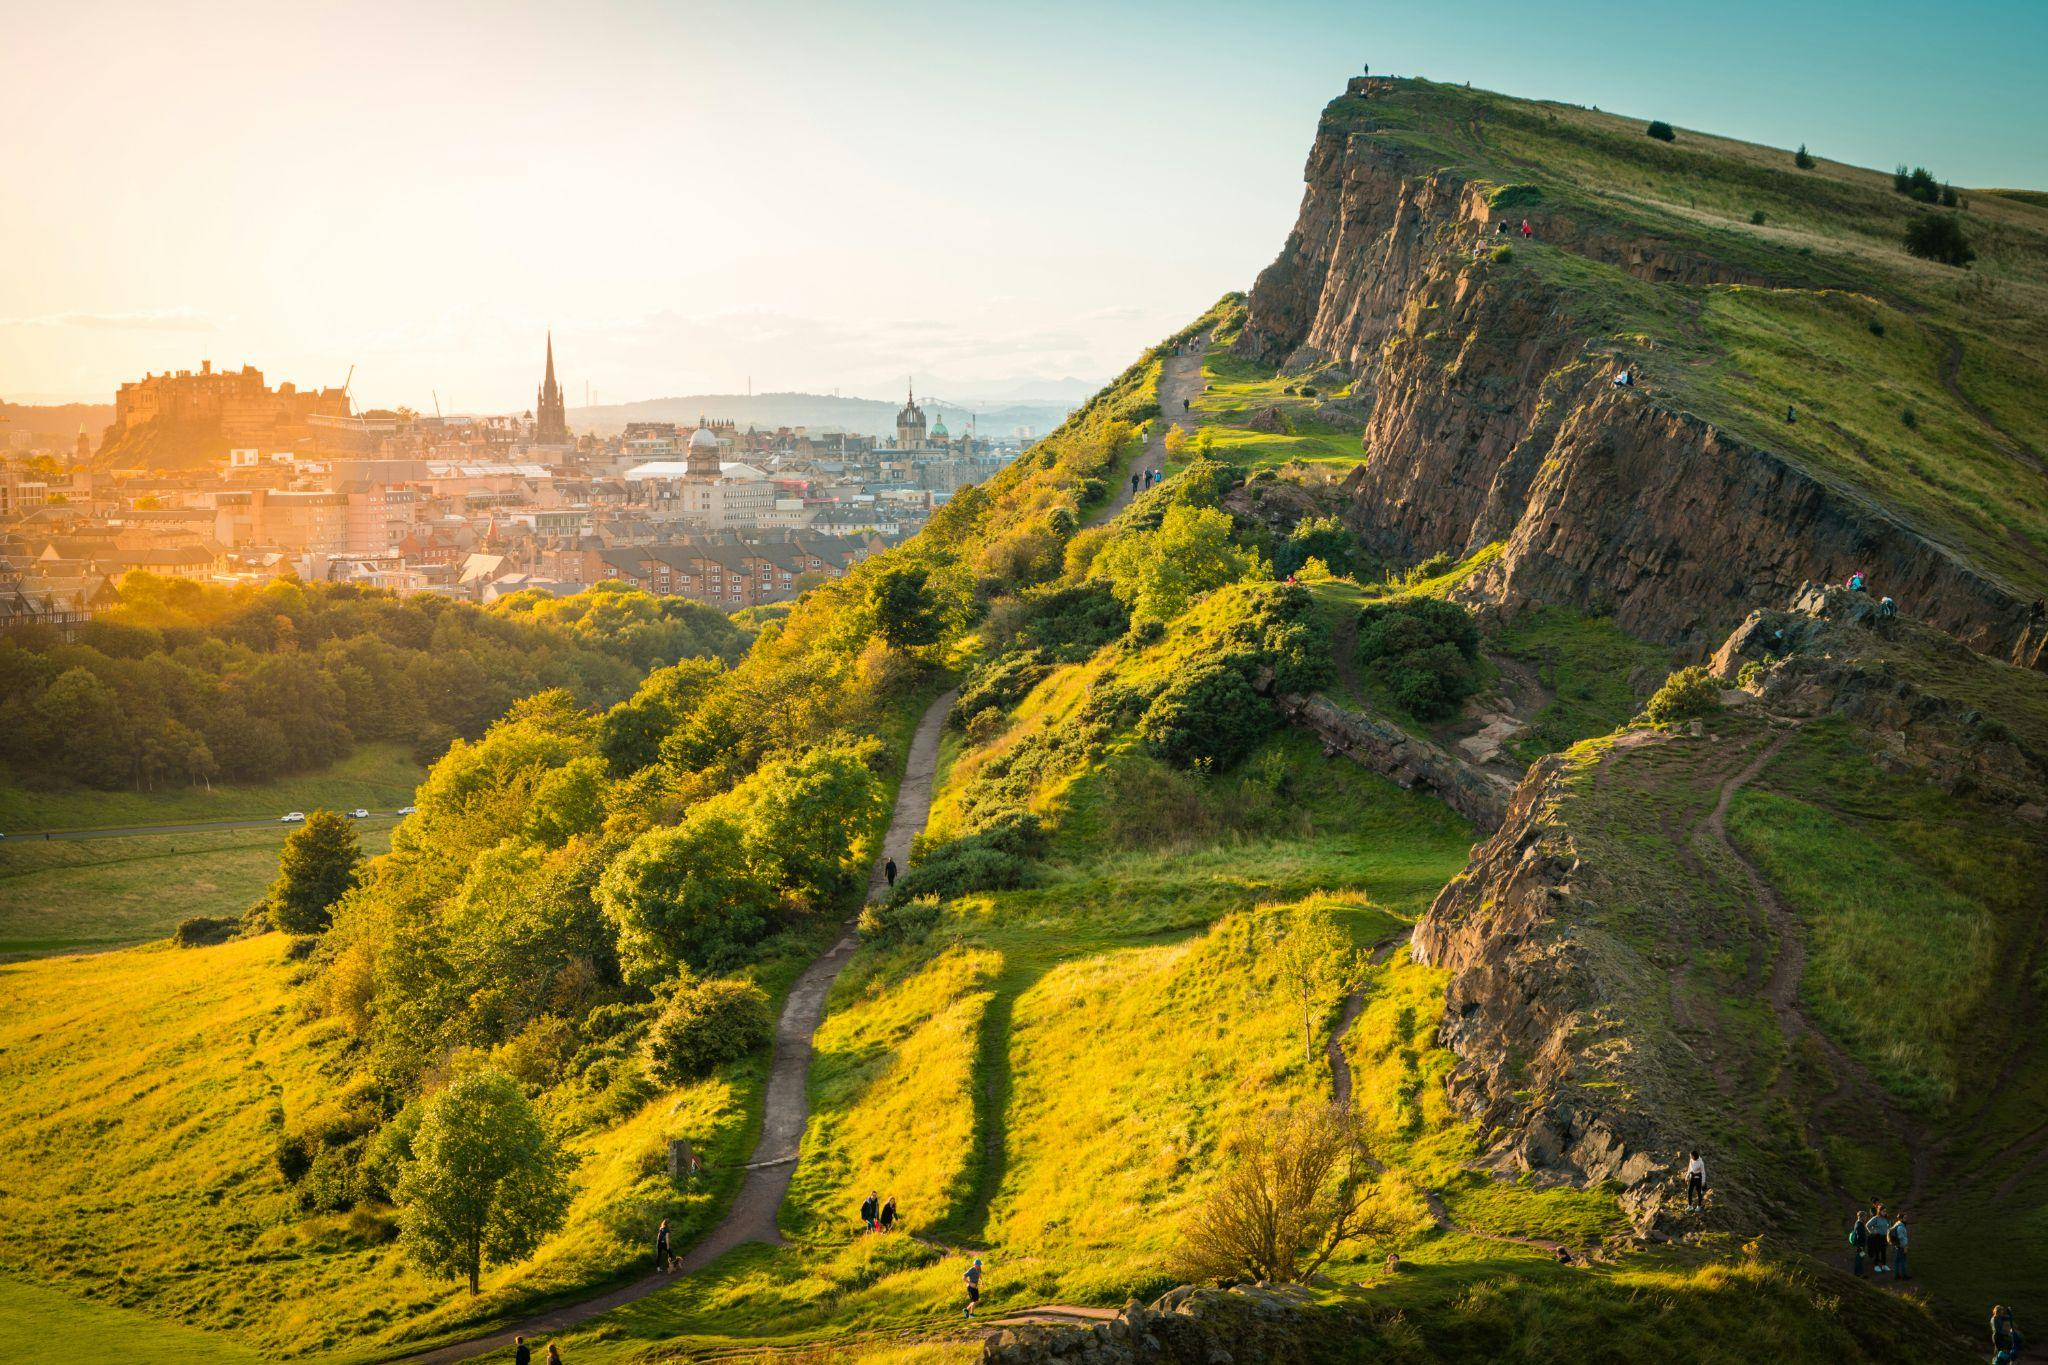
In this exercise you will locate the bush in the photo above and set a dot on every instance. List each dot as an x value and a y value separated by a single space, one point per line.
898 923
1661 130
294 1157
1756 218
330 1183
706 1024
1802 159
999 685
1324 538
994 856
1685 695
1513 196
1423 650
1208 717
203 930
1910 418
1071 623
1917 184
1939 237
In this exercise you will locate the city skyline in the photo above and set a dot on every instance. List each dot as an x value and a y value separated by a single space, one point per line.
695 196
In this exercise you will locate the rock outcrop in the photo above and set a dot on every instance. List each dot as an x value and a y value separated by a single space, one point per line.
1493 420
1189 1326
1410 762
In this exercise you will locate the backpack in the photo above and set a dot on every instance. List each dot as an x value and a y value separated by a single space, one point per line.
1856 1236
1893 1236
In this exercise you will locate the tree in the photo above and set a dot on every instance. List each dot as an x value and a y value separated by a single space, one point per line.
1208 717
1314 966
808 815
1939 237
321 862
1300 1185
1661 130
485 1181
1176 443
685 894
1157 574
1802 159
905 614
706 1024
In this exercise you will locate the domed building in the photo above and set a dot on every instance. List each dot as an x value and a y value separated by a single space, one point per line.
702 457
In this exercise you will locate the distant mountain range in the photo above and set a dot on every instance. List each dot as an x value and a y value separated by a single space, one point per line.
866 416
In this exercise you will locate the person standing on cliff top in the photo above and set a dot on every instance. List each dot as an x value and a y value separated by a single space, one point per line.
1695 1183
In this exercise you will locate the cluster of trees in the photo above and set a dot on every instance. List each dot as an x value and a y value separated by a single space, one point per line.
186 683
1424 651
1919 184
1939 237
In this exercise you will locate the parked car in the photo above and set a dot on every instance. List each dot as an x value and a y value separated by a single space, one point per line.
407 810
297 817
359 814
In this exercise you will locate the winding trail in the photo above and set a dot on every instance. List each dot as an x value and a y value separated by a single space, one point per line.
1853 1080
1180 381
786 1107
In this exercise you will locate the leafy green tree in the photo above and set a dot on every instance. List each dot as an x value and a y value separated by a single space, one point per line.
1939 237
1802 159
485 1182
1158 574
1687 694
1314 966
321 863
1423 650
809 815
1208 717
687 893
630 734
1661 130
706 1024
906 615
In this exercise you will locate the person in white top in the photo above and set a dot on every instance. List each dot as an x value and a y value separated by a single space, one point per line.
1696 1183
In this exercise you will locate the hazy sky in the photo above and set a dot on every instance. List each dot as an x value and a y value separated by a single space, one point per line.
813 195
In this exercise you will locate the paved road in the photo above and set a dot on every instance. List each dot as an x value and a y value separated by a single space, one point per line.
201 827
786 1109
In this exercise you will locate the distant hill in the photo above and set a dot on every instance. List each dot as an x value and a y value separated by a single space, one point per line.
61 420
867 416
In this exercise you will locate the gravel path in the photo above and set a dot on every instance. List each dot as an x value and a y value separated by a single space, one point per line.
786 1109
1180 380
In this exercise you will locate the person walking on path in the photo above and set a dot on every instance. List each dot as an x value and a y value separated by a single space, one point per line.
1898 1236
973 1279
870 1211
554 1354
1137 475
521 1355
889 871
1859 1240
889 1215
1875 1232
1695 1183
2005 1338
662 1260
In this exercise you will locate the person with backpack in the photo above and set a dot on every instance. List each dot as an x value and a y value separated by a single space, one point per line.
870 1210
1855 583
1695 1183
1898 1238
889 1215
973 1279
1875 1232
1859 1240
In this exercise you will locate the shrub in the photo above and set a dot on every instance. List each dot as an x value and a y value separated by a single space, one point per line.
294 1157
1909 417
1208 717
1917 184
1756 218
1071 623
1802 159
330 1182
1686 694
1501 253
706 1024
1423 650
1661 130
899 922
202 930
993 856
1324 538
1877 327
999 685
1513 196
1939 237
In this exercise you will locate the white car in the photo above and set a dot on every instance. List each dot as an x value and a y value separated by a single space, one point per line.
297 817
359 814
406 810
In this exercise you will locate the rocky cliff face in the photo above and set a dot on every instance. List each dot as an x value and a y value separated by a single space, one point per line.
1492 418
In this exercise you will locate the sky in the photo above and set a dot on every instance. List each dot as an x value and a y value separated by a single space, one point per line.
998 199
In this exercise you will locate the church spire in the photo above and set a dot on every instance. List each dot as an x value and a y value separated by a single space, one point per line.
551 416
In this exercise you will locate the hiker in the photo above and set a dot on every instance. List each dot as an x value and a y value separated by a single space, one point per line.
1695 1183
973 1278
889 1215
661 1256
889 871
870 1209
2005 1338
1623 380
1859 1240
1874 1233
1186 403
1564 1254
1898 1236
1527 231
1134 482
521 1355
1789 416
1886 608
554 1354
1855 583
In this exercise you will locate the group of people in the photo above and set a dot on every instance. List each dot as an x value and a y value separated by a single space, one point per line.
522 1354
1144 478
1882 1240
2006 1341
878 1214
1885 606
